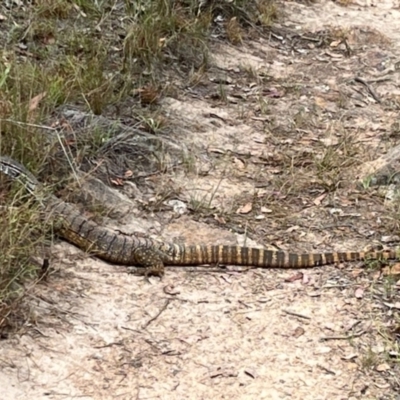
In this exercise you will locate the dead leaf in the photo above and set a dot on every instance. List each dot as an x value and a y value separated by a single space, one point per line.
128 173
299 331
295 277
352 366
357 272
219 219
350 356
69 141
245 209
382 367
359 293
239 163
390 238
273 93
393 305
320 102
170 289
329 141
277 171
117 182
292 228
376 275
379 349
317 201
335 43
333 55
148 94
323 350
34 103
266 210
341 266
216 150
48 39
392 270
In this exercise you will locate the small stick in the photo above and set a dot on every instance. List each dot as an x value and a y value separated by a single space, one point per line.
369 88
28 124
296 314
162 309
344 337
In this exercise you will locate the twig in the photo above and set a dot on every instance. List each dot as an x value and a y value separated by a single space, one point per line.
369 88
162 309
129 329
353 325
296 314
28 124
329 371
119 343
344 337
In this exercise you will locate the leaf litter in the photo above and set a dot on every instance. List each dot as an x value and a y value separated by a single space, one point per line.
256 334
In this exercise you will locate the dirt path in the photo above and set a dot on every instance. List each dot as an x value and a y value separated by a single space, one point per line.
274 140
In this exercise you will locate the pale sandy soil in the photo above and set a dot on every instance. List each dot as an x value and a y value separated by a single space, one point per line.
99 333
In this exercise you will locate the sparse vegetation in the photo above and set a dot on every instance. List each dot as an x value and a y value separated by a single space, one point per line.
119 59
96 56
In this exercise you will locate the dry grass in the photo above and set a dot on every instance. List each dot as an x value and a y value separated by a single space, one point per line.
289 180
102 57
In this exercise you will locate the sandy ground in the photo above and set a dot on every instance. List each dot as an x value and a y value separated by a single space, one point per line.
100 333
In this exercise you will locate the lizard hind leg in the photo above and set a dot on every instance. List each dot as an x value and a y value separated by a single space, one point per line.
151 260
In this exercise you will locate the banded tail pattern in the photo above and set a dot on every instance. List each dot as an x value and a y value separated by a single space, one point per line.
118 248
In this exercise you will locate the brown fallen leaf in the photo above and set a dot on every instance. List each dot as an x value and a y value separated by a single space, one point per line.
69 140
170 289
149 94
322 350
317 201
273 93
320 102
393 305
356 272
34 102
294 277
216 150
382 367
239 163
117 181
350 356
245 209
128 173
392 270
48 39
219 219
359 293
299 331
376 275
